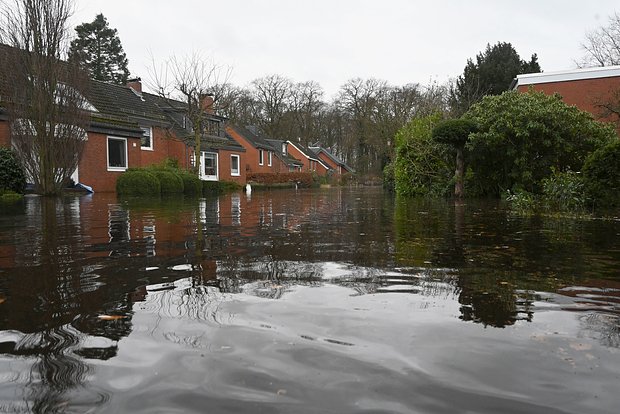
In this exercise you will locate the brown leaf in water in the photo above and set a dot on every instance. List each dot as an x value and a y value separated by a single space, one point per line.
111 317
2 300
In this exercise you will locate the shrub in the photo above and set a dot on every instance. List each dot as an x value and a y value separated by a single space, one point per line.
10 196
601 173
521 201
303 179
218 187
563 191
169 181
138 182
12 175
522 136
192 185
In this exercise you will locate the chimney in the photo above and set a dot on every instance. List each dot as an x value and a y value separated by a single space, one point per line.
136 85
206 103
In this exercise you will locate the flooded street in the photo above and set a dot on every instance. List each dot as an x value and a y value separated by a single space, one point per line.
312 301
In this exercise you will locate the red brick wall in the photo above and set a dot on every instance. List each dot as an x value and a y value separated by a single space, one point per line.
224 164
93 167
584 94
335 167
166 146
308 165
5 139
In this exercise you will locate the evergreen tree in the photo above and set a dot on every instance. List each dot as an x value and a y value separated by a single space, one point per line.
99 49
491 74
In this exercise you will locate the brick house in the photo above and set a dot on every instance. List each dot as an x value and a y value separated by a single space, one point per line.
336 164
261 156
310 160
588 89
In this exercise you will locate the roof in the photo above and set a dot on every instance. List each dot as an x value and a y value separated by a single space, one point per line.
286 158
331 156
565 76
308 153
253 136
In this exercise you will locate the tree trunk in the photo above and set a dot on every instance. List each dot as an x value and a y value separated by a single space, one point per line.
458 174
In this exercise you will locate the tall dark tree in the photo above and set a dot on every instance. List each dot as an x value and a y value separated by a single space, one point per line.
491 74
99 49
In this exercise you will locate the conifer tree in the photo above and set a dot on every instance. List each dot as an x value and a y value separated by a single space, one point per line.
98 48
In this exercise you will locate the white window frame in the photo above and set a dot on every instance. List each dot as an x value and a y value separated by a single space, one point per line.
150 131
108 154
269 158
203 175
261 157
236 173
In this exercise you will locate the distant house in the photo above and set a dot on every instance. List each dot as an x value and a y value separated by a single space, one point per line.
292 164
335 163
261 156
310 160
588 89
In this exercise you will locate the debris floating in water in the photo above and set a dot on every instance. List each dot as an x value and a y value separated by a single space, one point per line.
111 317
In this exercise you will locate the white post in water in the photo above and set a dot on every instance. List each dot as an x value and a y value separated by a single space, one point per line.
248 189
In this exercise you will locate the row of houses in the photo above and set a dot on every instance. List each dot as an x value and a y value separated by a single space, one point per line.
132 128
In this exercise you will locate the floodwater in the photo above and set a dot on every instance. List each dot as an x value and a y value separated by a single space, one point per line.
313 301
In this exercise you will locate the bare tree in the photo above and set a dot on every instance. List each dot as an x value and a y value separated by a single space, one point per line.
602 45
46 104
191 80
272 96
306 102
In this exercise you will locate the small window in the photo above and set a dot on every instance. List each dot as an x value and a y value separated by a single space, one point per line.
260 157
117 154
269 154
284 148
234 165
147 138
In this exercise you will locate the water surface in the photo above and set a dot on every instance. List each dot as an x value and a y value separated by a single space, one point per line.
314 301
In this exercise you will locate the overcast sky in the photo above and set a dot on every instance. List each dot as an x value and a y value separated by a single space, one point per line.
331 41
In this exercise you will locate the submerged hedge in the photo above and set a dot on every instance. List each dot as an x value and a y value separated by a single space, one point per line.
601 174
170 181
138 182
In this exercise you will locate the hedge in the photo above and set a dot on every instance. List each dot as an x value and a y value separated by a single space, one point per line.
138 182
12 175
170 181
192 185
601 174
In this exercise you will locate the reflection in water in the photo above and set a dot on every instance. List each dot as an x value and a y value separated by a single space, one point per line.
82 280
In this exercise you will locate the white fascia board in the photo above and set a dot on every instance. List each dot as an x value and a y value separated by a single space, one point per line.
568 75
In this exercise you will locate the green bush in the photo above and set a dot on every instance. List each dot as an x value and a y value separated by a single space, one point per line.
563 191
138 182
191 183
601 173
10 196
12 175
521 201
422 165
169 181
218 187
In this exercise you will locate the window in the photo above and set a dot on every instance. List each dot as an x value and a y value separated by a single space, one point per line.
209 166
117 154
284 148
260 157
234 165
147 138
269 154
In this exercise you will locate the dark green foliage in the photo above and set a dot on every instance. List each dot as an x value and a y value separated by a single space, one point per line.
601 173
138 182
99 49
12 175
170 181
192 185
388 177
454 132
218 187
422 166
522 136
491 74
563 191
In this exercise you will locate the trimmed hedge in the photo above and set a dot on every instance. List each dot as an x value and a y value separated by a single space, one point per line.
219 187
601 174
12 175
192 185
170 181
304 179
138 182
